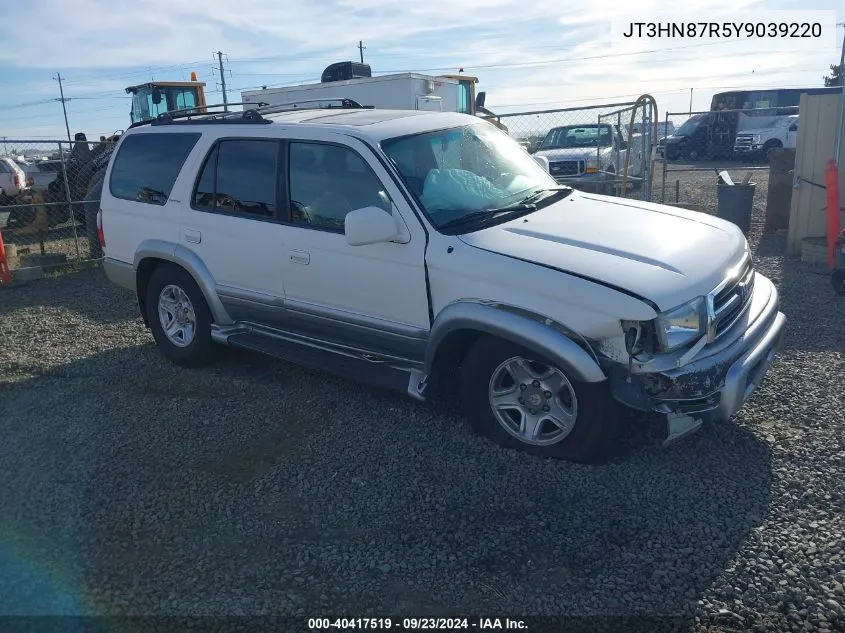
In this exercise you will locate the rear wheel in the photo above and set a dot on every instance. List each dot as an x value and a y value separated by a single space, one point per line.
769 147
522 401
179 317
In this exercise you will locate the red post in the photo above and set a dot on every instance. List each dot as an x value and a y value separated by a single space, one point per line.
5 275
832 211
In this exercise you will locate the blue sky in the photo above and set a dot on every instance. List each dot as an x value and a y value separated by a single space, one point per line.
528 54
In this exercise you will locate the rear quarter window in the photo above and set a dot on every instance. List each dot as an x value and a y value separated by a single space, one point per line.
147 165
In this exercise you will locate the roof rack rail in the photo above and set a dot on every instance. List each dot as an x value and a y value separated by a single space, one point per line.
252 115
343 102
238 116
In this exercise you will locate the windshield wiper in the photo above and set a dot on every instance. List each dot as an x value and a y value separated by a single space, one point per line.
540 192
486 214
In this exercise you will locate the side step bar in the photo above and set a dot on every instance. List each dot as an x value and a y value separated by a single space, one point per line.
383 373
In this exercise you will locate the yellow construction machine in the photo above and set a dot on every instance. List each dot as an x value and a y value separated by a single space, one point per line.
157 97
469 102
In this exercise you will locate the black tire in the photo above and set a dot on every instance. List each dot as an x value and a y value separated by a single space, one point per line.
837 280
768 147
201 350
591 436
92 207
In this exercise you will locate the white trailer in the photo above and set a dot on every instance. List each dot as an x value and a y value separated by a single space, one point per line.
402 91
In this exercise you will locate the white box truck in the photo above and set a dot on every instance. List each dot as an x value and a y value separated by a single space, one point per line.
402 91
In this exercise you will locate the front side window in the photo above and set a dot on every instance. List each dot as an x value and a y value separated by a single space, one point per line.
239 176
462 171
327 182
147 165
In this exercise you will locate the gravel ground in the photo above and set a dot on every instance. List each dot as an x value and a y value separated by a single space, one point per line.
131 486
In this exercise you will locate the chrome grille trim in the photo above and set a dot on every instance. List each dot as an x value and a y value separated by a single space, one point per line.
566 167
730 299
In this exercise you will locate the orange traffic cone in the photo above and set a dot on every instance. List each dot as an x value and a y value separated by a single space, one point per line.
5 275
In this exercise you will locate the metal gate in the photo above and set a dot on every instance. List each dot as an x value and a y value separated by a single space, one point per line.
604 148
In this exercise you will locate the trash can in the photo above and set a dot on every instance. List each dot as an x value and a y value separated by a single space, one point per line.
735 203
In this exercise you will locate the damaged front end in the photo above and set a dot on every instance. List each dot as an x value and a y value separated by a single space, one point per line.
717 370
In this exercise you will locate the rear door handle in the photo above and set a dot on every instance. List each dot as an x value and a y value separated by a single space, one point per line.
300 257
194 237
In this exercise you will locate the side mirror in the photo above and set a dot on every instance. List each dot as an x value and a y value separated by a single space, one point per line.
369 225
542 161
479 100
793 127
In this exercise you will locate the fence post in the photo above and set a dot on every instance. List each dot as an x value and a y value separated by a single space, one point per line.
645 194
665 159
69 200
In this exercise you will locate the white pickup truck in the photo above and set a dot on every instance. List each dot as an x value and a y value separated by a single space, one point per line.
756 143
591 157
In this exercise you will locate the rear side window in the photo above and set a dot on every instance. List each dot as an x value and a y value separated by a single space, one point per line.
3 168
147 165
240 177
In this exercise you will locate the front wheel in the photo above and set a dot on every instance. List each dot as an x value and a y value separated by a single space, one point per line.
179 317
522 401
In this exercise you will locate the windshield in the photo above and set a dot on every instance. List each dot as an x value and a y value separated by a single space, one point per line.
578 136
462 171
689 126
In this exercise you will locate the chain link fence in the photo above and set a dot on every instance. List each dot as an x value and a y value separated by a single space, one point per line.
49 199
703 144
600 149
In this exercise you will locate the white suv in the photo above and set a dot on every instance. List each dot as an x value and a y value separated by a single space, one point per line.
416 250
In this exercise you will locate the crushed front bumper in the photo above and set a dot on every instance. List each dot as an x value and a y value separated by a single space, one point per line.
718 383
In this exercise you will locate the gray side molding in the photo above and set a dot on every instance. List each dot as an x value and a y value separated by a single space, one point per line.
190 261
531 334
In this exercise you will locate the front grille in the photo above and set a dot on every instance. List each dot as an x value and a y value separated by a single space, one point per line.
730 302
744 141
566 168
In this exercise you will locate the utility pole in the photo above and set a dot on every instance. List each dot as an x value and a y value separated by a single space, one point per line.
361 48
690 101
58 77
223 81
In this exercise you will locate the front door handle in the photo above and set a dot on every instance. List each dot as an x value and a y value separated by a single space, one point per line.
300 257
194 237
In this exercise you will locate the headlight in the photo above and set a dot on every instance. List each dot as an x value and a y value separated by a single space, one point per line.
592 165
756 139
682 325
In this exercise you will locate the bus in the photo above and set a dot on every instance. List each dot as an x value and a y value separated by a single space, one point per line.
767 101
713 135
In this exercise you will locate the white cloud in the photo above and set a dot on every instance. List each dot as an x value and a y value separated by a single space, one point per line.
101 53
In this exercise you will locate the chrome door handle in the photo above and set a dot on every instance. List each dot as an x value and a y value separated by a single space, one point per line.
194 237
300 257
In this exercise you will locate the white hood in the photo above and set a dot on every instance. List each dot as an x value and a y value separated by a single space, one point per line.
568 153
665 254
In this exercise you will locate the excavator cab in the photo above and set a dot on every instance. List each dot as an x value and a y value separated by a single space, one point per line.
470 103
157 97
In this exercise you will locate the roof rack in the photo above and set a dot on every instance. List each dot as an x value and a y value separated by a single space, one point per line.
343 102
252 115
203 116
